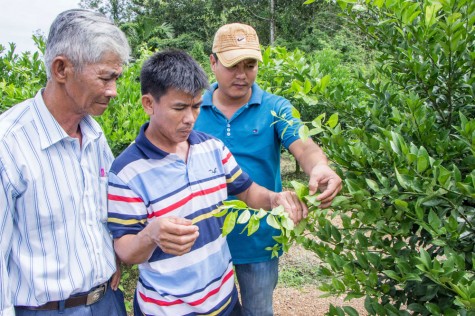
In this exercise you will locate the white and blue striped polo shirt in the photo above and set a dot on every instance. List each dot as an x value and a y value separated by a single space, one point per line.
146 183
53 206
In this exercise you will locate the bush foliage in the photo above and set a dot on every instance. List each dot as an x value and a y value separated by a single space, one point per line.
400 131
405 149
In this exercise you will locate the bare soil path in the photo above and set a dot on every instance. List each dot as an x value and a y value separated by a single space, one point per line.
306 300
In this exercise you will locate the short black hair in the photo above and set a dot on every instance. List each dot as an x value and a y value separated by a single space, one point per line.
172 69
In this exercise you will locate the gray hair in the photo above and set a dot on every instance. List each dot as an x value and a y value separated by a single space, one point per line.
84 37
172 69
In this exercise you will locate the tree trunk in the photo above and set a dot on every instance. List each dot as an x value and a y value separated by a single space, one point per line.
272 22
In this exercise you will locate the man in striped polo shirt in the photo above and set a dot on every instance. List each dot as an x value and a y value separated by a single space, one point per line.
164 190
56 254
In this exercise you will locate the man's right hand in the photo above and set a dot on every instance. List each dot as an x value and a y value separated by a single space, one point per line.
173 235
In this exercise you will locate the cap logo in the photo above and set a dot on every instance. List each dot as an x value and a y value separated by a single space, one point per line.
241 39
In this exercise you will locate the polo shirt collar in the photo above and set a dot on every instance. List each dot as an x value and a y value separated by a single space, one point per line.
49 130
153 152
256 96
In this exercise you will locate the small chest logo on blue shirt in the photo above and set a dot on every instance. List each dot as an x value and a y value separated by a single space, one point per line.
213 171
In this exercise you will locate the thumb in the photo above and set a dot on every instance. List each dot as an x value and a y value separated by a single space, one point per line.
312 185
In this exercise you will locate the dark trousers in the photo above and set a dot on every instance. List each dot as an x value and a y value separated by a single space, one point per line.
112 304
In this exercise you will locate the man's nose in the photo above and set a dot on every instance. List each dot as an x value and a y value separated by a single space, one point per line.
111 90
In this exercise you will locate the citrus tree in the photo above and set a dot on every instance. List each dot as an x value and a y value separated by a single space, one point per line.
402 136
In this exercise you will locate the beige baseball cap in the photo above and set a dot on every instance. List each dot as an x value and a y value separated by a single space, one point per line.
236 42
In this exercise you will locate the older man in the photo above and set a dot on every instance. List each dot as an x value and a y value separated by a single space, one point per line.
57 255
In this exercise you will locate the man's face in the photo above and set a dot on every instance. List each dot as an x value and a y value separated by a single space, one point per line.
91 89
235 82
171 118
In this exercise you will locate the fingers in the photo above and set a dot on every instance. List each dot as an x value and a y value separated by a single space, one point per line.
312 184
175 236
329 193
115 280
323 178
296 209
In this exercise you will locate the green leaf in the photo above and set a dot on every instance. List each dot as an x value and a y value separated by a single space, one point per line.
229 223
300 189
221 213
287 223
431 13
304 132
237 204
253 225
392 274
272 221
324 83
278 211
300 227
401 180
333 120
434 220
295 113
372 184
350 311
307 86
422 160
338 285
244 217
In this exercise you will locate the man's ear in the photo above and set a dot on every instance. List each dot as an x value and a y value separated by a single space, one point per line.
212 62
147 103
61 68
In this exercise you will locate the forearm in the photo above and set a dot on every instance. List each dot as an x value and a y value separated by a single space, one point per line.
257 196
308 155
134 249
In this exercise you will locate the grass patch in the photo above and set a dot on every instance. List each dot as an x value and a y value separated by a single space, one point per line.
293 276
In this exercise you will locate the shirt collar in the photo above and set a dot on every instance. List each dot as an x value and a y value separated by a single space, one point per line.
49 130
256 96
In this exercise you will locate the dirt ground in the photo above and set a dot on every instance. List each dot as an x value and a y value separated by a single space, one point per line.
306 301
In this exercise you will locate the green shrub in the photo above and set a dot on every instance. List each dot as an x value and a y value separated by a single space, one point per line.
407 160
124 116
21 76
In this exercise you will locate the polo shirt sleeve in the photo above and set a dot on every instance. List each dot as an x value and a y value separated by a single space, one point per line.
127 212
237 180
288 133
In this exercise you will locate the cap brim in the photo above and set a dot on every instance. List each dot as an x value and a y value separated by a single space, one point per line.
232 57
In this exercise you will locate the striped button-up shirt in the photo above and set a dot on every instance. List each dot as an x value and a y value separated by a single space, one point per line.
53 207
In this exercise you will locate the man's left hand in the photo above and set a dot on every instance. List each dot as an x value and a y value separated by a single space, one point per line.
325 180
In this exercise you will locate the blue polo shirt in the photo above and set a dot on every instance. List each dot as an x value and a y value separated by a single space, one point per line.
254 137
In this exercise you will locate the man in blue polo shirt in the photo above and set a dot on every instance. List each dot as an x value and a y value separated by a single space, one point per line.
238 112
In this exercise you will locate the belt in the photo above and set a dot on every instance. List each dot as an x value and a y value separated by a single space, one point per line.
93 296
